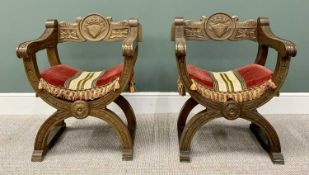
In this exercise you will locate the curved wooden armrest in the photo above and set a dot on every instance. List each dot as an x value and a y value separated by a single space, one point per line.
178 35
130 51
180 47
266 37
48 39
130 44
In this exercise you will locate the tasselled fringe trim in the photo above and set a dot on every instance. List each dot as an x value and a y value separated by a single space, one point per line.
71 95
242 96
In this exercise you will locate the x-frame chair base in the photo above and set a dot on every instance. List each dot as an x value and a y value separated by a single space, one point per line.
54 126
261 128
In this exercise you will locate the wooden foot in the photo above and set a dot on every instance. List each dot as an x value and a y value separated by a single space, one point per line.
185 156
37 156
48 133
268 138
277 158
127 154
55 133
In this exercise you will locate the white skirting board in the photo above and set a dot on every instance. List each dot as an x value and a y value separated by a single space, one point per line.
149 102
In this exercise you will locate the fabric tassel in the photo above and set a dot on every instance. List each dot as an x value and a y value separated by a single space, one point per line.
193 86
132 86
272 84
40 85
70 95
117 85
181 88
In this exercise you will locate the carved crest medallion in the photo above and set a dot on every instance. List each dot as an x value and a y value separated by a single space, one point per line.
94 27
220 26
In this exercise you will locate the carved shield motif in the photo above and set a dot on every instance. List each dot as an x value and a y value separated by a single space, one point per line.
94 27
220 29
220 26
94 30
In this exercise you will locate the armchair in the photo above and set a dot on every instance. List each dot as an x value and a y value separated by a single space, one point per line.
233 94
79 93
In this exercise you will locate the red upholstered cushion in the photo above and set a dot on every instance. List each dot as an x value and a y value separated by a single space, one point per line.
253 75
201 76
57 75
110 75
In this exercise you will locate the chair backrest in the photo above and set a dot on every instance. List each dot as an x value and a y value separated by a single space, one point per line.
219 26
95 27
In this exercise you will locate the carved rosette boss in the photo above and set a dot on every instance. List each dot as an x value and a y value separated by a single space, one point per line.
231 110
80 109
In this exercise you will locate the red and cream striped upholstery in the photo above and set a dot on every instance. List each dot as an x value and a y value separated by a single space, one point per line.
72 84
242 84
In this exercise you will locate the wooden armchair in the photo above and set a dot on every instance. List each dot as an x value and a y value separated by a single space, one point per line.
78 93
232 94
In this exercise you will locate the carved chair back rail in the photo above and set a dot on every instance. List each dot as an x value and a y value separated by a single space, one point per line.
232 94
78 93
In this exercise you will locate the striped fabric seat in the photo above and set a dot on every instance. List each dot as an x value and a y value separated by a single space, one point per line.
242 84
229 81
83 81
72 84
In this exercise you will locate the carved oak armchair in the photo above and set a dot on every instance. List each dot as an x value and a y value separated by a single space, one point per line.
231 94
79 93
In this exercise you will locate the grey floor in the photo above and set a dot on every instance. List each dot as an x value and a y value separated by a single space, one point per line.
91 147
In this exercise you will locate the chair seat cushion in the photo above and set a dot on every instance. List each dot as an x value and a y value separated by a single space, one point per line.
72 84
241 84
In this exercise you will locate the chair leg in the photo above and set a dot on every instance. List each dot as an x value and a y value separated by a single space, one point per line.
184 113
266 135
122 131
129 113
48 134
191 128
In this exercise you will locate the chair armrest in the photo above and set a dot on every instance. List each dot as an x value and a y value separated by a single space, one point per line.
178 34
266 37
180 46
130 44
48 39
